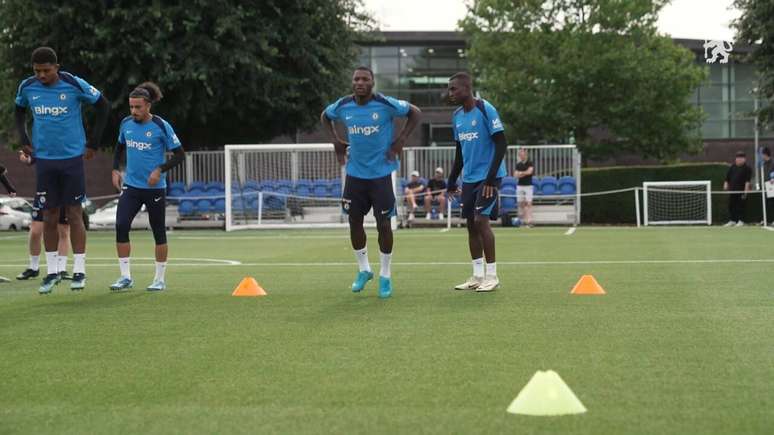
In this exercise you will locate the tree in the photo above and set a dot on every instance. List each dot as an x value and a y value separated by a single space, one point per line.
595 70
231 71
755 27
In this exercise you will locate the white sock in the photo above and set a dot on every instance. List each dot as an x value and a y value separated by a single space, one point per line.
61 263
478 267
491 270
125 266
51 262
79 263
161 267
386 260
362 259
34 262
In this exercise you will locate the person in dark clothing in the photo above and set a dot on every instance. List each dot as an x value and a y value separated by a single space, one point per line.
737 180
768 167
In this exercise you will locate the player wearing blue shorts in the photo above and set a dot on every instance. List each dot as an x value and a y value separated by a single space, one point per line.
145 139
59 146
373 156
481 146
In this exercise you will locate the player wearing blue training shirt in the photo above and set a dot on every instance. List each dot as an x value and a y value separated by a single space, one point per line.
59 145
373 156
481 146
146 138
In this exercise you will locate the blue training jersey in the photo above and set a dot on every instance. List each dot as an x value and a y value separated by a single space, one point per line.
369 129
146 146
474 130
57 126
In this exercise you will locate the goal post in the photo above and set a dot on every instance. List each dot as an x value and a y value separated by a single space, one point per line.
677 203
279 186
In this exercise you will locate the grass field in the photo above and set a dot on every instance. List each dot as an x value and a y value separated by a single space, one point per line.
682 343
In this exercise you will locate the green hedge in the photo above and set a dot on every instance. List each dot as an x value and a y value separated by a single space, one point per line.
619 208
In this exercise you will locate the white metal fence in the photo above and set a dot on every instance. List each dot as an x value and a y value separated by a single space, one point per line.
550 160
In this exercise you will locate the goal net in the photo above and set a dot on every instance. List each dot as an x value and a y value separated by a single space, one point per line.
677 202
283 186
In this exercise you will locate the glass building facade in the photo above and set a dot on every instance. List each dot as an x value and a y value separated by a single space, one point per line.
415 66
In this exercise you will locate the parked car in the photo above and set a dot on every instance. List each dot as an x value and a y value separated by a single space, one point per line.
105 217
22 205
10 217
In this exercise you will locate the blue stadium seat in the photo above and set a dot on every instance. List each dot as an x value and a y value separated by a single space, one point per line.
284 183
567 185
215 191
536 185
176 192
203 206
507 203
215 185
303 190
321 189
251 185
186 207
219 206
195 193
548 185
335 188
509 181
177 185
197 185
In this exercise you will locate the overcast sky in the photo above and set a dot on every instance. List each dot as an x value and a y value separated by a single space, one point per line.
692 19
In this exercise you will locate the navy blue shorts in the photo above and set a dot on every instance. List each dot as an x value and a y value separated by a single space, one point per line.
37 213
473 202
129 204
60 182
360 194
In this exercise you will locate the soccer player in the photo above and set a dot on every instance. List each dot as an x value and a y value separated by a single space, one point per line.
373 153
36 237
481 146
59 146
145 139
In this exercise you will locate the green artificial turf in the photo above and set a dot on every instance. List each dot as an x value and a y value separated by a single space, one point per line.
683 341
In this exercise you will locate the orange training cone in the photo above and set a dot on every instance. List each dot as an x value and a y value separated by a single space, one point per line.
249 287
587 285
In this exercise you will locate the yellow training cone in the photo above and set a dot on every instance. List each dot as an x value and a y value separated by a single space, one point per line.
546 394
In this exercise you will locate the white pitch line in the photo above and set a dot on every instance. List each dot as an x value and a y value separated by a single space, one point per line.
768 228
232 263
570 231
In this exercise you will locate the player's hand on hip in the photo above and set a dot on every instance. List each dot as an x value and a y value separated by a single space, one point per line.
24 157
154 177
117 180
90 153
453 190
488 191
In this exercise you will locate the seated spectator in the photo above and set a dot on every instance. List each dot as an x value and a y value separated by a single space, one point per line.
525 169
413 190
436 191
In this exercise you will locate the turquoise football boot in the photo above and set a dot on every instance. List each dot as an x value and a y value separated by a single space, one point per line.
385 287
361 280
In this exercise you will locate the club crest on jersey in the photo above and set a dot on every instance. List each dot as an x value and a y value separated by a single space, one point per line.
366 130
473 123
62 97
375 116
149 134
